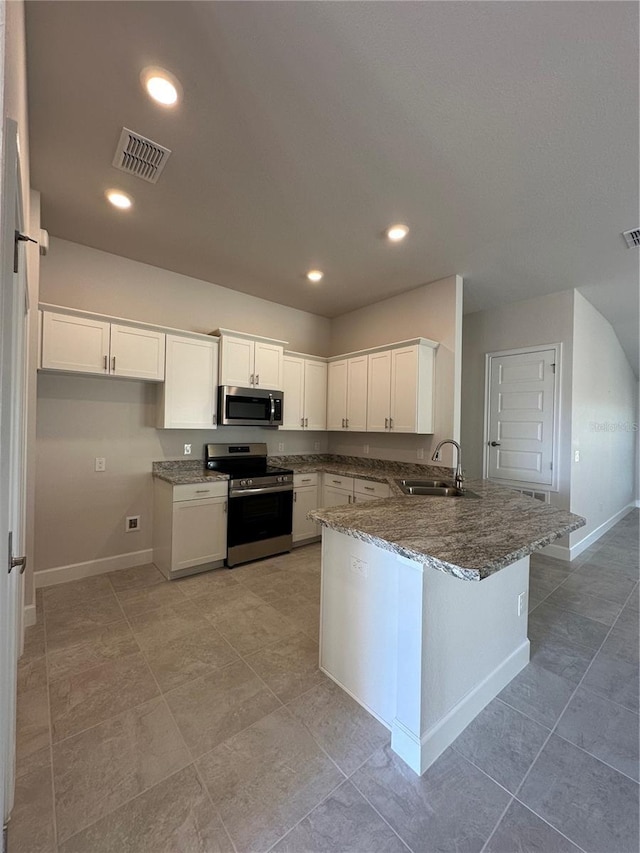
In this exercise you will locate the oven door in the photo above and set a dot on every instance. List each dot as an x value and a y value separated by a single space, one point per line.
249 407
255 515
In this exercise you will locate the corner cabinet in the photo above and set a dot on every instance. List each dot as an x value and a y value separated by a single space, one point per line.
248 361
347 394
401 389
189 527
83 344
305 392
188 398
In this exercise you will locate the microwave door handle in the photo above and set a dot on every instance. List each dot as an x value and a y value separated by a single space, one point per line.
272 410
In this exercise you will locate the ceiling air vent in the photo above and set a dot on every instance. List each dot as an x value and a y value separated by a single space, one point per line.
632 238
139 156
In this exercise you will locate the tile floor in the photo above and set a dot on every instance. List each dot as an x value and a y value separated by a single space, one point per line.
190 716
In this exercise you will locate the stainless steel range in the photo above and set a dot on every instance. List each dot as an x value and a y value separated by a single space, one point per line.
260 513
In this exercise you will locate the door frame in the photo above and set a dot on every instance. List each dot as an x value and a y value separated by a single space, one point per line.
557 397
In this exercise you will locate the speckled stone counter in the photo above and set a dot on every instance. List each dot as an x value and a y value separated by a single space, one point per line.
185 472
471 538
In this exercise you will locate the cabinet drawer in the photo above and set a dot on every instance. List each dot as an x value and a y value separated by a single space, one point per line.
198 491
305 480
371 489
338 482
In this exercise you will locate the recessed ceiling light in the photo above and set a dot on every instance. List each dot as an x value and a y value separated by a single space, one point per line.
314 275
395 233
119 199
161 85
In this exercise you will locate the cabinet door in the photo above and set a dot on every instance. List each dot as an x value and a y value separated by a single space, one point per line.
236 361
137 353
199 532
315 395
337 395
268 366
75 344
335 497
293 387
379 392
304 500
188 400
404 390
357 394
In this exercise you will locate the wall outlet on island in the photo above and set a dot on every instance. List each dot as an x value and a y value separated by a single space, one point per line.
281 447
420 453
187 450
101 463
132 523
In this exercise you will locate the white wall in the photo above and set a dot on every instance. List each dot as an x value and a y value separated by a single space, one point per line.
431 311
604 422
79 513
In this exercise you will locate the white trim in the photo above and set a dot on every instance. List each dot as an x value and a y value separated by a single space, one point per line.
76 571
362 704
562 552
420 754
557 400
29 615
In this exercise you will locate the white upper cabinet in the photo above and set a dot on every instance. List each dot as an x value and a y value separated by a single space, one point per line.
188 397
74 344
249 362
400 395
305 393
78 344
347 394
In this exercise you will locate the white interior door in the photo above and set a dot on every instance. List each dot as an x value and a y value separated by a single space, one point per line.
521 416
13 309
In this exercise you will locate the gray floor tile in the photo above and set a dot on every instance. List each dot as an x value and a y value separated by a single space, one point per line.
32 711
206 583
168 623
34 641
558 655
70 624
31 828
603 729
104 767
614 678
601 582
452 807
564 624
344 822
593 805
254 628
75 592
135 601
212 708
176 816
90 697
582 602
538 693
136 578
347 732
502 742
520 831
267 778
289 667
102 644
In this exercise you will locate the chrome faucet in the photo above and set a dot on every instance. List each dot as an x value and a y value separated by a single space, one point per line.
436 456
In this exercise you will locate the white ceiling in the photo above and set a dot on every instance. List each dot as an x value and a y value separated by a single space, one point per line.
504 134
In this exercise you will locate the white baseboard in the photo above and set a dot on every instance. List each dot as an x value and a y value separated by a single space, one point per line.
420 754
76 571
29 615
562 552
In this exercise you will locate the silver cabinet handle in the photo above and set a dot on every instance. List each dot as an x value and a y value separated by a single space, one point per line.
343 423
369 489
295 497
251 379
257 378
308 480
106 362
349 499
337 482
346 423
225 506
302 422
386 423
113 363
202 491
390 423
306 422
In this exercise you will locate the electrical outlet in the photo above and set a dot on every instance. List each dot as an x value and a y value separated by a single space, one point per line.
132 523
359 567
365 448
420 453
522 603
281 447
101 463
187 450
576 456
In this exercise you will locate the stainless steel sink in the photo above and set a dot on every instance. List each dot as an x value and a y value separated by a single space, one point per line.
433 488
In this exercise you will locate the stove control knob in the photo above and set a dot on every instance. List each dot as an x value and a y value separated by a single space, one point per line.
279 479
249 482
243 482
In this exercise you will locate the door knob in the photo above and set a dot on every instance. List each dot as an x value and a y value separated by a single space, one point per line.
495 444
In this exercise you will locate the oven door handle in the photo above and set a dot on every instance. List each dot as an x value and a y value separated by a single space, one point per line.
239 493
272 410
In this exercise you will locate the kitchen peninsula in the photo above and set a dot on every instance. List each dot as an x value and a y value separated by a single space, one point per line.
424 606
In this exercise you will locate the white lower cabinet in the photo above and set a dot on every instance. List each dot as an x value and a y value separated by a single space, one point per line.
337 490
305 499
369 490
189 527
187 399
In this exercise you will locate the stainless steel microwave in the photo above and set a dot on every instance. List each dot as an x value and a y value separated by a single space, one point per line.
249 406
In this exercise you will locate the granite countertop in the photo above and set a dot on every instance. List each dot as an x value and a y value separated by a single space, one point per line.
470 538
